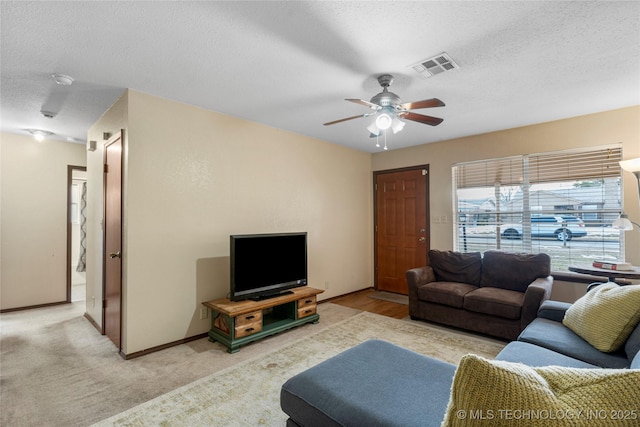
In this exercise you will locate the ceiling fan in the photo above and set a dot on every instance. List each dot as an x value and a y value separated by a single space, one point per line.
388 109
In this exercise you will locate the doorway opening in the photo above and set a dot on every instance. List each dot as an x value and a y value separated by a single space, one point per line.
76 232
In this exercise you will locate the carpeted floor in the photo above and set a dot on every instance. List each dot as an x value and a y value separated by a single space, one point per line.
248 394
57 370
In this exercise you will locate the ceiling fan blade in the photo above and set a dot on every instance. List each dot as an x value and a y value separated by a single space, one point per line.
420 118
427 103
344 120
365 103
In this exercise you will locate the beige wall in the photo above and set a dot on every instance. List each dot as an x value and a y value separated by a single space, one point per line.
193 177
34 219
111 122
592 130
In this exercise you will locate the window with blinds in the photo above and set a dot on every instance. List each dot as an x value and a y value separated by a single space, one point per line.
560 203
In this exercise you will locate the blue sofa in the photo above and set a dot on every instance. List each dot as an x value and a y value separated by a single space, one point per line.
380 384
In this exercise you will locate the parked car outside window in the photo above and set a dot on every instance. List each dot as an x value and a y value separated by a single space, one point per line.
561 227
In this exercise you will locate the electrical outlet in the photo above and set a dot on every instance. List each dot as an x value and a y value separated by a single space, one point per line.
204 313
443 219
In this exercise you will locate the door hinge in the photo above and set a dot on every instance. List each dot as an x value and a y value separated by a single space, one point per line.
104 303
106 168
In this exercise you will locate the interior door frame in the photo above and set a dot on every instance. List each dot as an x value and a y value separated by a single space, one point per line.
70 169
375 213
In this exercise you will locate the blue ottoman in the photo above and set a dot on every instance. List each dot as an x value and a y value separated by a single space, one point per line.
373 384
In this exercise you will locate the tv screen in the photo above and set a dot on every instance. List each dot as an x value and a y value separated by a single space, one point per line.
265 265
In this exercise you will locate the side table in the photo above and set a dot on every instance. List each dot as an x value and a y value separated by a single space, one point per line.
610 275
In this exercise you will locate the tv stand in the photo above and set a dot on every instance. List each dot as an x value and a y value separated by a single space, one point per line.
237 323
269 296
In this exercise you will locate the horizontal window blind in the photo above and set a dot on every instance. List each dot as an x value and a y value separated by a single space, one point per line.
506 171
579 166
560 203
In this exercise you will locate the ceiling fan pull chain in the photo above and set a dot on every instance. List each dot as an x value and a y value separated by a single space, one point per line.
378 140
385 139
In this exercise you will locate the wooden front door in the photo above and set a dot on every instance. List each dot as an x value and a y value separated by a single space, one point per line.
112 303
401 226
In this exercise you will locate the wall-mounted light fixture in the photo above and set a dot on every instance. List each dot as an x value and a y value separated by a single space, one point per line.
91 145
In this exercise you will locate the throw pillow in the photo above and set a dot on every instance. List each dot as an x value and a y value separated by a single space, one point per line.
497 393
605 316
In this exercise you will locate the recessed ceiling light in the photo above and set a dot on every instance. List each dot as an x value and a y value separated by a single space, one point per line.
62 79
39 134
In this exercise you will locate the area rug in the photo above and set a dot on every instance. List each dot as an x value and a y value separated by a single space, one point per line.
248 394
389 296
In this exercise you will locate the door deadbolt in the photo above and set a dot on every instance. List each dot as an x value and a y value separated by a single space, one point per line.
422 239
113 255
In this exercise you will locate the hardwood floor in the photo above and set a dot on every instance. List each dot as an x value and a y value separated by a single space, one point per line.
362 300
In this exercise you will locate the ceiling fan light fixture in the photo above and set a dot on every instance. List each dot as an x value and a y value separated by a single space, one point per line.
397 125
383 121
373 129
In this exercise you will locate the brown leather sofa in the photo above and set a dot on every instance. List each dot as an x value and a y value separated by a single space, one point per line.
496 294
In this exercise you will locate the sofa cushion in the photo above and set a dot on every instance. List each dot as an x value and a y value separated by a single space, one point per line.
450 266
533 355
605 316
375 383
557 337
513 271
495 301
446 293
487 387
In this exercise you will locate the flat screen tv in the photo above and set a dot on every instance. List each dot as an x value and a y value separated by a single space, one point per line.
267 265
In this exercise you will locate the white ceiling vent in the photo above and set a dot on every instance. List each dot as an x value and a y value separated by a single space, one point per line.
431 66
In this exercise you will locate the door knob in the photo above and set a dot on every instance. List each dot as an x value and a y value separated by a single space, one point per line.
422 239
422 230
115 255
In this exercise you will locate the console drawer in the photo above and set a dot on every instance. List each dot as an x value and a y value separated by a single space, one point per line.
248 329
306 311
306 302
246 319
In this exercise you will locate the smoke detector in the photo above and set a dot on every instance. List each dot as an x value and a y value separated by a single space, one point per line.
62 79
435 65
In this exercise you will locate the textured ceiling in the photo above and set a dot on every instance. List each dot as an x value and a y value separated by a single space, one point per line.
290 64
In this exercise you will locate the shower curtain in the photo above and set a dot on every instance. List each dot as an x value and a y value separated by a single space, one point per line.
82 258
